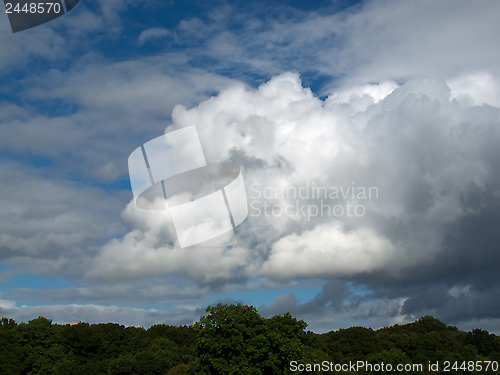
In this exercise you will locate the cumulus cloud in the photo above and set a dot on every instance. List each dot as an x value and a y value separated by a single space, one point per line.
475 89
422 151
149 249
329 250
377 183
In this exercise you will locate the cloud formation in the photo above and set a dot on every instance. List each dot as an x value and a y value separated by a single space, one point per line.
371 41
384 193
429 152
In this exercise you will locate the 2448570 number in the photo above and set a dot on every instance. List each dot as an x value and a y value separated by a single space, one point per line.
33 8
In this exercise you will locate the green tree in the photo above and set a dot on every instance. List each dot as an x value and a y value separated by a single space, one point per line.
178 370
37 337
11 350
235 339
286 339
392 356
485 342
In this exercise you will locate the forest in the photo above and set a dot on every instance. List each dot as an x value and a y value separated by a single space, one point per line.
235 339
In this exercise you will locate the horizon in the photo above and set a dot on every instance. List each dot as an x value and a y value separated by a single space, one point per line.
416 321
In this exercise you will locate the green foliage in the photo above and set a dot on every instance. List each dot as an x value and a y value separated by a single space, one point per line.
178 370
486 344
229 339
40 347
235 339
11 349
348 344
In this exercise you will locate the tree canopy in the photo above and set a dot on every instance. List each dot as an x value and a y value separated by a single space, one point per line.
229 339
235 339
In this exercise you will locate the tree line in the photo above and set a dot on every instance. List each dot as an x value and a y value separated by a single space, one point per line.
232 339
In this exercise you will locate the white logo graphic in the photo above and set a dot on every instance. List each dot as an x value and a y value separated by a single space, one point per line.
205 200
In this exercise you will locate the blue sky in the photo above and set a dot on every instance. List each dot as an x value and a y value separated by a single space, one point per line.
399 96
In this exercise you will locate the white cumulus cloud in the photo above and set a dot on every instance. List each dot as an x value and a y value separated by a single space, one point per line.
423 151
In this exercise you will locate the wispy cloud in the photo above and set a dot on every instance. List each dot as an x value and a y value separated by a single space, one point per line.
154 33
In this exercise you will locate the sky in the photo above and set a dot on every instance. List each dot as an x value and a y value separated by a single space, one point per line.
366 133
